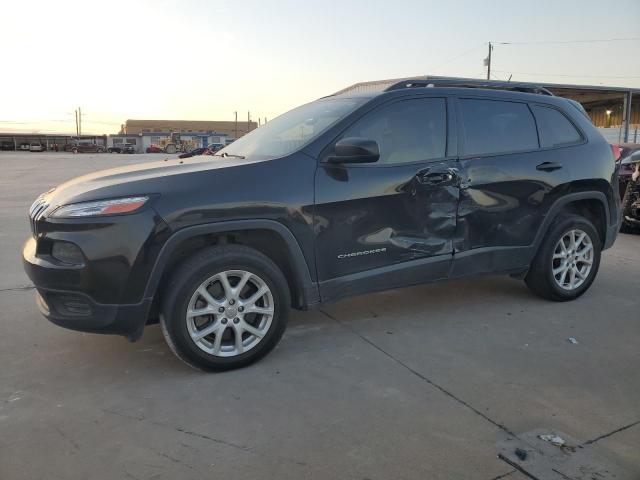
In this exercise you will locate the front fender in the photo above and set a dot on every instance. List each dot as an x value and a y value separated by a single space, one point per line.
308 287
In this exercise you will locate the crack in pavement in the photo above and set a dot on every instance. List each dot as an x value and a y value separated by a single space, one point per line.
21 288
142 418
606 435
174 460
505 475
244 448
422 377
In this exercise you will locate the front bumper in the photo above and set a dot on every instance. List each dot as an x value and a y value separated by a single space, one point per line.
74 309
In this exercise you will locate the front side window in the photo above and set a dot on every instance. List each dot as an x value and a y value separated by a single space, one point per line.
293 130
554 128
494 127
406 131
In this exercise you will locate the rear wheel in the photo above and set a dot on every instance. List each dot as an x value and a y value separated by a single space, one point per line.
225 308
568 260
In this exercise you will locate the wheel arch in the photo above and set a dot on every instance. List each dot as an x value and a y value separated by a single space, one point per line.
275 236
590 204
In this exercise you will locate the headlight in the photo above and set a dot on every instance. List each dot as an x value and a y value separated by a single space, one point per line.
101 207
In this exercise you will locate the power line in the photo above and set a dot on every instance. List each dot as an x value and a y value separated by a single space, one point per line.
453 59
567 75
566 42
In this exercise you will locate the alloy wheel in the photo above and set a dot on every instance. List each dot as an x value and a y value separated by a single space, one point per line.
230 313
572 259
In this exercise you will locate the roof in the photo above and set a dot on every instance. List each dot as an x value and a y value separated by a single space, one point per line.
582 93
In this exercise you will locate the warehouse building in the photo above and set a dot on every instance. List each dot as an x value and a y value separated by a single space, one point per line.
231 128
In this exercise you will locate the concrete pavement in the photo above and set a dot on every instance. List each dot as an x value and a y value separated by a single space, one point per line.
408 384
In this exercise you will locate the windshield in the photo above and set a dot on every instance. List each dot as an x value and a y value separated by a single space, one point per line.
294 129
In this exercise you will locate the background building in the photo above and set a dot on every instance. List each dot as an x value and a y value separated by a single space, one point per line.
231 128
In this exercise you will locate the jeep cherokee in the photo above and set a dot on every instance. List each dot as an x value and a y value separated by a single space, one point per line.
352 193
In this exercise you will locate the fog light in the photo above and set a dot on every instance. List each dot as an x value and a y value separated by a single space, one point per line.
67 252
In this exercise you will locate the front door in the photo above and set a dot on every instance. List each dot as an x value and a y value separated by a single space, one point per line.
389 223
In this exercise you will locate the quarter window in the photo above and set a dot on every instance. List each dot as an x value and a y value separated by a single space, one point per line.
554 128
406 131
494 127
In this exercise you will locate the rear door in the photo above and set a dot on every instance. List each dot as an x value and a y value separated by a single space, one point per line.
509 182
379 224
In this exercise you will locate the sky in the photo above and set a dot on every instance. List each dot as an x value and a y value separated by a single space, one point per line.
206 59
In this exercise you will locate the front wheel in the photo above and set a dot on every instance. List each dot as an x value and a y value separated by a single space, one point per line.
225 308
567 261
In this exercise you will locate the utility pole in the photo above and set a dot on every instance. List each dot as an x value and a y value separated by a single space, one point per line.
487 62
236 125
79 121
248 122
76 112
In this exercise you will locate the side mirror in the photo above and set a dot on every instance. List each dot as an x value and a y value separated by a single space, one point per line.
355 150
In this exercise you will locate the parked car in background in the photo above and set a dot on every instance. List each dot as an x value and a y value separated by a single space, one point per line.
213 148
627 149
629 181
626 167
122 148
154 149
84 147
24 146
193 153
36 147
7 146
396 188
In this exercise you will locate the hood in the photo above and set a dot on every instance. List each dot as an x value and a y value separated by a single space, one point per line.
142 178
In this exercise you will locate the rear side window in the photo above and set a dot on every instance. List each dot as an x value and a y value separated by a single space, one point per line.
493 127
406 131
555 129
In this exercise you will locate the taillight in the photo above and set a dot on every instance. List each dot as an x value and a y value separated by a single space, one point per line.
617 152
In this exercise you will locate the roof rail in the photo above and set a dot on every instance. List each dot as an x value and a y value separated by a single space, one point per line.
468 83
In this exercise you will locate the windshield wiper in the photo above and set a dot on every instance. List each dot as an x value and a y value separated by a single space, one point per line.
225 154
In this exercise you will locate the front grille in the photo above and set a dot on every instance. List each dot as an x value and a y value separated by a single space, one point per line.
36 212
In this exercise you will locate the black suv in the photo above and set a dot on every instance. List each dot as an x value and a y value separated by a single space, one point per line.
349 194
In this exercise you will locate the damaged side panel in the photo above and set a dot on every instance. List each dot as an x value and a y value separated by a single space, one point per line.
370 216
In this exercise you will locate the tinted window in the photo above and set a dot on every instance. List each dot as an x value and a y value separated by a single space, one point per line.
497 127
554 128
407 131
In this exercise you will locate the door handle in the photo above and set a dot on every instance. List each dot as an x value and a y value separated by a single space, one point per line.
436 178
549 166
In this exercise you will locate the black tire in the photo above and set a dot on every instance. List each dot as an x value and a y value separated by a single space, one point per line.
540 277
196 270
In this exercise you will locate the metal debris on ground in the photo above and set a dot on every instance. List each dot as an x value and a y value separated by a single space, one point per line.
572 340
554 439
521 454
